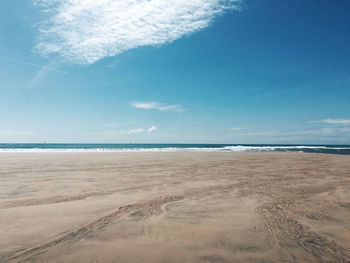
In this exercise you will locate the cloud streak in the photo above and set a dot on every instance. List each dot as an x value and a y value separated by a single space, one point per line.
333 121
110 124
46 67
87 31
13 132
139 130
157 106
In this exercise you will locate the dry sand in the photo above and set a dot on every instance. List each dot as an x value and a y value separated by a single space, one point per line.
174 207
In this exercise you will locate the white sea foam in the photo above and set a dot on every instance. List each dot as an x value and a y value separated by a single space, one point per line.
237 148
272 148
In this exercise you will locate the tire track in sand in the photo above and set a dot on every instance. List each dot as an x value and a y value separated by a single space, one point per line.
69 198
285 232
149 208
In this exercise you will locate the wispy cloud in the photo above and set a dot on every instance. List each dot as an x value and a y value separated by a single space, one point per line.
139 130
46 67
44 72
110 124
236 129
158 106
333 121
300 133
15 132
89 30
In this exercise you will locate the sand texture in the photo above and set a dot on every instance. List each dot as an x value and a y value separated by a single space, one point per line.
174 207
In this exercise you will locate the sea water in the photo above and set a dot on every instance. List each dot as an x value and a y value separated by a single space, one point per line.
93 147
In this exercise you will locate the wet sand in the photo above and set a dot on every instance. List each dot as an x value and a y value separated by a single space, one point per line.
174 207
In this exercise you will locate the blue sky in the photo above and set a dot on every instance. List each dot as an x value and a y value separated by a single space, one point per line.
204 71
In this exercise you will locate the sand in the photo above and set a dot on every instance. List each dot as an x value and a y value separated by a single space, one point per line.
174 207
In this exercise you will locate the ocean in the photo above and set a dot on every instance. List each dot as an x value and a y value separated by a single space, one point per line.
74 147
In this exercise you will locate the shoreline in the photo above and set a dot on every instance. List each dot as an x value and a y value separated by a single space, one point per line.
101 153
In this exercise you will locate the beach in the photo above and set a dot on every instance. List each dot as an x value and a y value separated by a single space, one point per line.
174 207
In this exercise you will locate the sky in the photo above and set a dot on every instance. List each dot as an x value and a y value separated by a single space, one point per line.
175 71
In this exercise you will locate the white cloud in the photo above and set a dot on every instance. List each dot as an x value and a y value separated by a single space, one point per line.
138 130
89 30
153 128
158 106
333 121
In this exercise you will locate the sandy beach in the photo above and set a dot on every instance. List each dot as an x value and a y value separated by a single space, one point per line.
174 207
